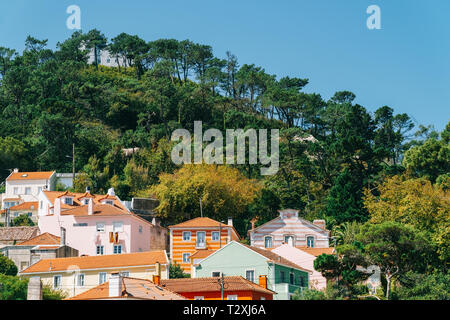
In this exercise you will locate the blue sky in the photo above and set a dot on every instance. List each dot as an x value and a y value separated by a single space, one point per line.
405 65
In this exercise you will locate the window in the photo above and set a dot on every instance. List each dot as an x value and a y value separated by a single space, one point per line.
289 239
86 201
30 214
140 229
118 226
56 282
301 281
250 275
282 277
291 278
199 298
68 200
100 250
186 257
310 241
232 297
117 249
186 236
39 189
16 190
201 239
100 227
110 202
125 273
216 274
80 280
101 277
268 242
215 236
27 190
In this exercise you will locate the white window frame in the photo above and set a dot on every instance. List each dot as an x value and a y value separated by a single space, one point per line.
117 229
196 239
271 241
97 227
289 235
190 235
16 190
314 241
58 276
117 246
27 190
219 272
105 275
212 236
81 276
188 257
254 275
232 297
102 250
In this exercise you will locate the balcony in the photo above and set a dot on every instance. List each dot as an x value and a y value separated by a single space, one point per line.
200 245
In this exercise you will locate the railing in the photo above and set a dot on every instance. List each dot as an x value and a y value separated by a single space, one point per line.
200 245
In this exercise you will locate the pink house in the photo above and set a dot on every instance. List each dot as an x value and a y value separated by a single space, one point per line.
97 224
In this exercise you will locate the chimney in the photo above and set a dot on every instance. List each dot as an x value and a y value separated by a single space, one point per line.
320 223
158 269
157 280
263 281
63 236
57 207
88 189
90 207
34 289
156 222
115 285
111 192
16 170
230 221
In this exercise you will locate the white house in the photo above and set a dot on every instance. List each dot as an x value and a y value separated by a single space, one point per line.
289 227
25 187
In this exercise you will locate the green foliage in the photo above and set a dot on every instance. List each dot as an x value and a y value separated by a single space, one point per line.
22 220
7 266
13 288
48 293
309 294
416 286
176 272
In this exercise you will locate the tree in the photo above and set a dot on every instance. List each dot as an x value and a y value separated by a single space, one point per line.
7 266
416 202
13 288
22 220
176 272
223 191
96 41
395 248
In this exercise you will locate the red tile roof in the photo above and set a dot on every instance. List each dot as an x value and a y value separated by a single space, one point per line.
43 239
18 233
52 195
316 251
202 222
132 288
231 283
25 206
99 262
30 175
98 210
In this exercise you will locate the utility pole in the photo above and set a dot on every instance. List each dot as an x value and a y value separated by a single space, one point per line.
220 235
201 209
337 276
221 284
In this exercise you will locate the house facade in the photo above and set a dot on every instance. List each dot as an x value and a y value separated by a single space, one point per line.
43 246
97 224
237 259
305 258
25 187
288 227
235 288
199 234
78 274
30 209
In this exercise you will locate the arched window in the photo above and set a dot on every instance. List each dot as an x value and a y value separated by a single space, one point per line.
268 241
310 241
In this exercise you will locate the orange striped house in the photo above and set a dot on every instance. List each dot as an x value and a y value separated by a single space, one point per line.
189 237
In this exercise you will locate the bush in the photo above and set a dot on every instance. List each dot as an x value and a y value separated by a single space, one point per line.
309 294
7 266
13 288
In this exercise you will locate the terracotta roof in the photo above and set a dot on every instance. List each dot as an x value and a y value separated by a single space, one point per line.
99 262
200 222
231 283
275 257
45 238
18 233
98 210
107 197
52 195
201 254
316 251
132 288
12 199
86 195
45 247
25 206
66 194
30 175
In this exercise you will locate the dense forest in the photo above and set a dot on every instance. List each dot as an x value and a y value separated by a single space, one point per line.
339 162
